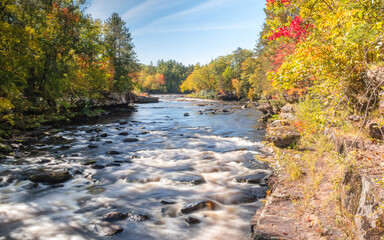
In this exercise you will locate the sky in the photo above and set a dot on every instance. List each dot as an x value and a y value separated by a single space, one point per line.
188 31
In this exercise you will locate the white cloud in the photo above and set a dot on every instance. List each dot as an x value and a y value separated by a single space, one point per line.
238 26
146 9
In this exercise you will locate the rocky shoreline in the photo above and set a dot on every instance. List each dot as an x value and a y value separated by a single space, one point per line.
345 203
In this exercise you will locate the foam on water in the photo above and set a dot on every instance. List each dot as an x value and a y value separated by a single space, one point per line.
175 146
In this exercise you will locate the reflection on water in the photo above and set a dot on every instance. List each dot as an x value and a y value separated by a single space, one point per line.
177 160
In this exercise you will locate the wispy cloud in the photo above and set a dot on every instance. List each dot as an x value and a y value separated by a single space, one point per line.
238 26
146 9
211 4
192 20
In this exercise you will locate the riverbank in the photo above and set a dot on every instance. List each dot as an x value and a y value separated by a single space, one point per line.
326 186
76 111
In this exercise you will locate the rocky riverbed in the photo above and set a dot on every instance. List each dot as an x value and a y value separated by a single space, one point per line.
178 169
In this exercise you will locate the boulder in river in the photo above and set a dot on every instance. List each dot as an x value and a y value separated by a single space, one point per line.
137 217
123 133
114 216
112 152
167 202
107 229
131 140
103 135
189 179
186 114
192 207
92 146
192 220
45 176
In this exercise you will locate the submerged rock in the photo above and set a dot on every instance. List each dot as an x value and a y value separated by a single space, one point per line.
131 140
185 179
44 176
107 229
103 135
113 152
192 220
137 217
167 202
114 216
92 146
186 114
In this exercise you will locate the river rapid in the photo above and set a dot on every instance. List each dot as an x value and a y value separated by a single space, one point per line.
177 169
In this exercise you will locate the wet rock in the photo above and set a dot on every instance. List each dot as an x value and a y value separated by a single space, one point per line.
249 196
98 166
44 176
283 137
192 220
244 106
192 207
123 133
137 217
65 147
107 229
113 165
375 131
123 122
114 216
186 179
108 142
103 135
95 190
90 162
186 114
44 161
253 178
92 146
75 155
144 132
113 152
92 139
31 186
141 178
131 140
169 211
167 202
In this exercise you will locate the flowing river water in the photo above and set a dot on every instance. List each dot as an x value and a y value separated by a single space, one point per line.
178 174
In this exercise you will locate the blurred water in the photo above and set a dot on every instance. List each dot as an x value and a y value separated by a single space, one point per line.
216 143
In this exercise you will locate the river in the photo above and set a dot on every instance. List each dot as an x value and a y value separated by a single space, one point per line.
172 160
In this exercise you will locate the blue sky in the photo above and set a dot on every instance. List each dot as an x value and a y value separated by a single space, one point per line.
188 31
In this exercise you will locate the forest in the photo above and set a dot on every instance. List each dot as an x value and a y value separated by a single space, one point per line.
316 72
